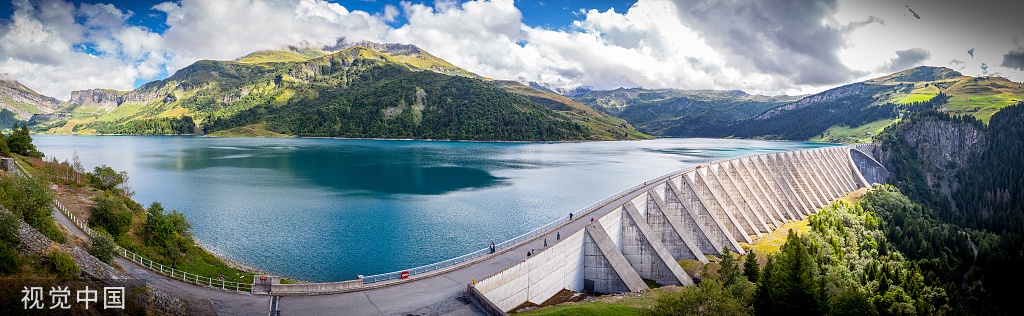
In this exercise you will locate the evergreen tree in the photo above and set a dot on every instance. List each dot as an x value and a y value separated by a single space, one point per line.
750 267
4 150
730 271
791 288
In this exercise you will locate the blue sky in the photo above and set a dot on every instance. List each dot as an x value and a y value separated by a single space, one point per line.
550 14
765 46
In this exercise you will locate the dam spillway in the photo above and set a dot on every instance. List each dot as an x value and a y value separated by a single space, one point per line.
683 215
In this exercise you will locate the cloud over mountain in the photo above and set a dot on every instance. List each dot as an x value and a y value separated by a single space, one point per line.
770 46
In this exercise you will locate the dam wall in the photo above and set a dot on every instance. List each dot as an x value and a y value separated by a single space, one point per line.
683 215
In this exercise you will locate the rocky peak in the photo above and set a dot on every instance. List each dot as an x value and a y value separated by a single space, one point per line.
828 95
109 99
14 93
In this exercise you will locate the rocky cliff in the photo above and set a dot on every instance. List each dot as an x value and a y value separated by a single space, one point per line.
23 101
942 147
108 99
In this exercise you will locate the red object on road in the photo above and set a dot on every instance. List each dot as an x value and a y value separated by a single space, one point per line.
698 166
405 274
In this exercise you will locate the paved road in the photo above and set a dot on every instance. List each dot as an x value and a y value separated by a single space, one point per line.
441 294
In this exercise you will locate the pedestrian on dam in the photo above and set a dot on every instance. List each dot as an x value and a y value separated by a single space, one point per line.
492 247
545 242
570 216
558 236
527 254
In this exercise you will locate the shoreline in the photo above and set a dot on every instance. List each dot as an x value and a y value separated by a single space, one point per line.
231 262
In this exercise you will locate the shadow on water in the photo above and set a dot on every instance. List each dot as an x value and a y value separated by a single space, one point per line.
418 171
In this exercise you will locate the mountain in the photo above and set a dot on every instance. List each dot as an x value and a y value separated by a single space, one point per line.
669 112
364 90
19 103
850 113
858 111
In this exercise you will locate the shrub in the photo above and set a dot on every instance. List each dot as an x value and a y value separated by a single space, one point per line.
106 178
8 240
30 199
63 265
110 214
103 247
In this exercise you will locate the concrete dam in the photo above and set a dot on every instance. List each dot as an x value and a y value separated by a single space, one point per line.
683 215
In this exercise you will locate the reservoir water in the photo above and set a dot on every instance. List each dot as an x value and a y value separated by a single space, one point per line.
329 209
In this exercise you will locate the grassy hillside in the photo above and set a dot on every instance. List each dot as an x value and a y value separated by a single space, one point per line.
402 91
857 112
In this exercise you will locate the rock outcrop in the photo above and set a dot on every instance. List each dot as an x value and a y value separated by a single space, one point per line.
942 147
23 101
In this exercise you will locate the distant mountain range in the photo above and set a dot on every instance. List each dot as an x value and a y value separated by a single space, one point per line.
365 90
371 90
850 113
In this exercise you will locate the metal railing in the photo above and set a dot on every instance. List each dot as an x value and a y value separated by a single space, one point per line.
515 240
146 262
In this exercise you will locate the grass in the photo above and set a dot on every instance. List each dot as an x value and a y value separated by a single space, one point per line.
850 135
771 243
981 106
278 56
921 94
597 308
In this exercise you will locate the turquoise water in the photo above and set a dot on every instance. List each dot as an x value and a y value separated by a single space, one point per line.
329 209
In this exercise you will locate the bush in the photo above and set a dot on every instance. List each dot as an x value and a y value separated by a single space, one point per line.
30 199
106 178
169 231
8 240
103 247
110 214
63 265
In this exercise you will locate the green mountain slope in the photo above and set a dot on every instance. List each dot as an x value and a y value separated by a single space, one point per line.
856 112
19 103
367 90
669 112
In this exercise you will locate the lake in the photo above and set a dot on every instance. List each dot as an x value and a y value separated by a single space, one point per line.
329 209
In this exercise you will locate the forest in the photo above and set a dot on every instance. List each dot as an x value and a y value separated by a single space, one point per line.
804 123
390 101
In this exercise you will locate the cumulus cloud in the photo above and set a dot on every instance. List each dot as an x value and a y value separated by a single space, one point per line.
55 47
771 46
906 59
227 29
786 39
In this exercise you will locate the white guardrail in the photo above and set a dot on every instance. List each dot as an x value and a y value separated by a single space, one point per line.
150 264
515 240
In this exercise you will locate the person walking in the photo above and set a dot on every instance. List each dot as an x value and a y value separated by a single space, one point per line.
492 247
545 242
570 216
558 236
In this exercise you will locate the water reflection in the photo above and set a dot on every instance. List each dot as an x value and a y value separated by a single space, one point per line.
408 170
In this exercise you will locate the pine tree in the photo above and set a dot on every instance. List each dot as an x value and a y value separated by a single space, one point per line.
750 267
730 271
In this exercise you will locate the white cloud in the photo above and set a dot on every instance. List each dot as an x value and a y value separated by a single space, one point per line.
228 29
55 47
761 47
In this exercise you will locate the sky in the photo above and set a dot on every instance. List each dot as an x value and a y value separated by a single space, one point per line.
767 46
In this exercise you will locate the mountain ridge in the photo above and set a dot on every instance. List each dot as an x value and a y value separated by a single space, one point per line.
208 93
